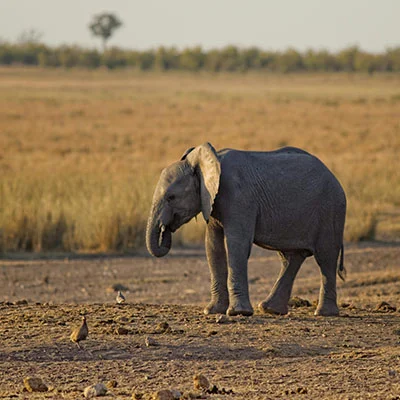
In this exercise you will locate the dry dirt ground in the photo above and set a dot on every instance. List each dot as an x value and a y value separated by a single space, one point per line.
354 356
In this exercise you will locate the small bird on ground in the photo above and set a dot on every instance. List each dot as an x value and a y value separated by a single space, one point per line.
120 298
80 333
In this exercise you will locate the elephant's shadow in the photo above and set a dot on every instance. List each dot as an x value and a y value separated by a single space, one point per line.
220 352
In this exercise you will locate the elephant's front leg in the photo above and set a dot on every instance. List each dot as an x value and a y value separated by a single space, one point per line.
238 249
216 256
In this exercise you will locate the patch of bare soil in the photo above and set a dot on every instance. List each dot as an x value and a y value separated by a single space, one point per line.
160 339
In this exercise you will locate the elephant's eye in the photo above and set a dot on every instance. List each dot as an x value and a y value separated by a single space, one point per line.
171 197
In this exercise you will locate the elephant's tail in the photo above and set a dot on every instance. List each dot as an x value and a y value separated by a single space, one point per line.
341 269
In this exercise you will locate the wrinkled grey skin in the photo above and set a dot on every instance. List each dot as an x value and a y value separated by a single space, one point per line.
285 200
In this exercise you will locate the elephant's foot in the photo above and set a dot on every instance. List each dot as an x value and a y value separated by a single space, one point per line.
216 307
327 310
238 308
273 307
247 312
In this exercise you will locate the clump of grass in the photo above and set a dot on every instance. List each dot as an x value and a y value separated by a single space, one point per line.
73 214
395 98
361 228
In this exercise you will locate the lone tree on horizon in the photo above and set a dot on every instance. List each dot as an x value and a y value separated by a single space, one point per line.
104 25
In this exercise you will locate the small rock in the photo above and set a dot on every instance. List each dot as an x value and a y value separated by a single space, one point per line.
163 327
176 393
112 384
302 390
97 390
221 319
21 302
137 396
164 394
392 372
149 341
297 302
384 306
192 395
213 390
200 382
120 330
34 384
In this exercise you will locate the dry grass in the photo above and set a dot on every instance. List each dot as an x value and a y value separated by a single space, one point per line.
82 150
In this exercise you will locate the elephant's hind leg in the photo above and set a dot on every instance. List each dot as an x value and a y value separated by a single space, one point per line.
277 301
217 261
327 303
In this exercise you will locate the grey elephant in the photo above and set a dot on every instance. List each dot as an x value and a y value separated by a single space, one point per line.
285 200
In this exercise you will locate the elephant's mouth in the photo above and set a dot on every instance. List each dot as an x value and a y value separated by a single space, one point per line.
179 220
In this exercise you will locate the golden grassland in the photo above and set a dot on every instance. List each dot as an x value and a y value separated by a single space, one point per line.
81 151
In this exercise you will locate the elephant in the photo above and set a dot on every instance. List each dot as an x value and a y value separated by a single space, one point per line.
285 200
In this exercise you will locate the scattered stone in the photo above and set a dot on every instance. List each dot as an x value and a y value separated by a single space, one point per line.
97 390
163 327
215 390
191 395
221 319
137 396
200 382
149 341
212 333
384 306
120 330
176 393
164 394
392 372
112 384
35 384
21 302
299 390
297 302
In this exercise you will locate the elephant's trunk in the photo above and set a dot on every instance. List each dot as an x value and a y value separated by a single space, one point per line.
158 237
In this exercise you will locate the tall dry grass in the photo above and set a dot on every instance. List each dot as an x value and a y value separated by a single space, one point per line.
81 151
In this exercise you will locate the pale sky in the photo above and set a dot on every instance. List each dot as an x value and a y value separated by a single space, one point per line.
374 25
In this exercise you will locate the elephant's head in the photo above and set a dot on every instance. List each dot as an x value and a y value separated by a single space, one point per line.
184 189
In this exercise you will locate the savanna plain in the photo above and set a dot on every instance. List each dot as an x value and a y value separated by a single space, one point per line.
81 152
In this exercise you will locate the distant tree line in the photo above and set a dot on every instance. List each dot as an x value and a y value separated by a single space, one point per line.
230 58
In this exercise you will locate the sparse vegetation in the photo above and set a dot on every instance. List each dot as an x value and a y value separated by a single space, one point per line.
82 150
31 51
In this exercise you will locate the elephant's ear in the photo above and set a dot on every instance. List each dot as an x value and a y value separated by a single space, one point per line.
184 155
204 160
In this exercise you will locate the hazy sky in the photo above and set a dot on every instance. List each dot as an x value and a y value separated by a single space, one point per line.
374 25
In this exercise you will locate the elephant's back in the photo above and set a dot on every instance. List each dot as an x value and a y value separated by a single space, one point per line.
288 170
